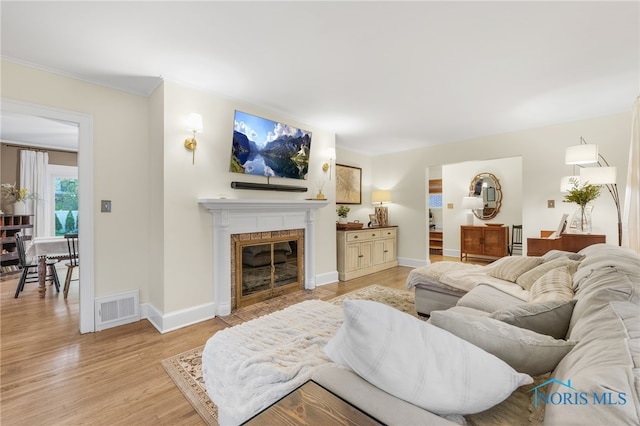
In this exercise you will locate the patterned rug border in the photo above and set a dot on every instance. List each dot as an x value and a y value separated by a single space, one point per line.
194 391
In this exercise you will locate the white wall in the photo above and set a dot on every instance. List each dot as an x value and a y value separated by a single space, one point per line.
362 211
542 152
120 167
188 242
456 179
158 239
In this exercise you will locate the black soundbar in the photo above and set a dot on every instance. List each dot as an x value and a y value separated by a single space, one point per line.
267 187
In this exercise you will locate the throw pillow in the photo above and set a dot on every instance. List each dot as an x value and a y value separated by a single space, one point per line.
555 284
524 350
418 362
527 279
511 267
558 254
550 318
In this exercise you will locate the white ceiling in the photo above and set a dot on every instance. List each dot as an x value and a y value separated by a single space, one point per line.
41 132
385 76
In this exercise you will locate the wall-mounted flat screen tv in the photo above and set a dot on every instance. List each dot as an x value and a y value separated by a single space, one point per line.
268 148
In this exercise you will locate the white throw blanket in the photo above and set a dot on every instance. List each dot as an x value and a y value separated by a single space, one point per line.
250 366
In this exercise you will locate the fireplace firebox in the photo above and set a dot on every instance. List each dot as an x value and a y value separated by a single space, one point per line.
266 265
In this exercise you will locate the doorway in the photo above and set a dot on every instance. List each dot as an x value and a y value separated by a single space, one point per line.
85 197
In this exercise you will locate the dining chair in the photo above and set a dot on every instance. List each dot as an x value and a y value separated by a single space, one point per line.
30 267
72 245
516 240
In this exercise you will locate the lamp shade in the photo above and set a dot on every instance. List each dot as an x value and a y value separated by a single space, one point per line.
567 182
581 154
472 203
381 196
598 175
194 122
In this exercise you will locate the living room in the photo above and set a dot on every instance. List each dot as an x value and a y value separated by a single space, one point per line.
158 240
157 183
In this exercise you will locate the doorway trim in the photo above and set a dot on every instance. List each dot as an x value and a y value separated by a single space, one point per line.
85 197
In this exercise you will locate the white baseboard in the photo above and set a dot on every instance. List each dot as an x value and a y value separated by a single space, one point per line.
165 323
327 278
413 263
451 253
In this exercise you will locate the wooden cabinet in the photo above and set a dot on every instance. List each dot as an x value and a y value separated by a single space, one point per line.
567 242
483 241
9 226
366 251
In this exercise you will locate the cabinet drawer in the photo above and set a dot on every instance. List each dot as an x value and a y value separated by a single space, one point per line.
363 235
388 233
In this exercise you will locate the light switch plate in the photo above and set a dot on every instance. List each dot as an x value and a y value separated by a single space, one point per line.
551 204
450 205
105 206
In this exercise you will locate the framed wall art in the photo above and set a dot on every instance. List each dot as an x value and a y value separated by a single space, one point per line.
348 184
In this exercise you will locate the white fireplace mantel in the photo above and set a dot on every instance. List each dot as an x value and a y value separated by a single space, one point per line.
238 216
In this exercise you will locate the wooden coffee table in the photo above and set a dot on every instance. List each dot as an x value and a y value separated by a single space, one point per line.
311 404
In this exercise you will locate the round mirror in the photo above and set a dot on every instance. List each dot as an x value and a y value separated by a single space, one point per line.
487 187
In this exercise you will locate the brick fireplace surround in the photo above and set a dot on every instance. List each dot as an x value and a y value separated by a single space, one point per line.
241 216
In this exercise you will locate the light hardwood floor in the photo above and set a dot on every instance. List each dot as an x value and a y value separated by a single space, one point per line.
51 374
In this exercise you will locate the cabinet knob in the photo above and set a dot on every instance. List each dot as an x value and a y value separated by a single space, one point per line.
355 237
362 255
386 251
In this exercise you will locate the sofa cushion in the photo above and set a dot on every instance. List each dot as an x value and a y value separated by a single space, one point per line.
555 284
524 350
379 404
420 363
509 268
527 279
489 299
558 254
603 366
550 318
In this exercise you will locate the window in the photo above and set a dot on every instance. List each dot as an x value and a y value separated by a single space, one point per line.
435 200
62 202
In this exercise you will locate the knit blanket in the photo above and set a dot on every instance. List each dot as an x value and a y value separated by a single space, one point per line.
250 366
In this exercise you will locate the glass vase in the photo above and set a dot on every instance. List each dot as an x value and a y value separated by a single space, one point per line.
586 222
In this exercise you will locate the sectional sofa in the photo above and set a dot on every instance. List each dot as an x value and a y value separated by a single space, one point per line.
571 322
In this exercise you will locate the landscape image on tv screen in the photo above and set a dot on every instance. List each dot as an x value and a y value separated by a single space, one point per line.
268 148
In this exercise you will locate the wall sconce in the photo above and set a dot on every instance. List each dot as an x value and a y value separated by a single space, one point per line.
471 203
382 213
602 174
326 167
194 124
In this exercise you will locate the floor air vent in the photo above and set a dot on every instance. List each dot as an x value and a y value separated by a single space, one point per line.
118 309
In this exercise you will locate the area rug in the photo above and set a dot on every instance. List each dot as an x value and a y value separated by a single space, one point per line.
185 369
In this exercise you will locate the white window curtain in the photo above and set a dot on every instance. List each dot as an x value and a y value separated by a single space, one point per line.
33 176
631 212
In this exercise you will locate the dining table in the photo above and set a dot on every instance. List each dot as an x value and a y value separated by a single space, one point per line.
43 248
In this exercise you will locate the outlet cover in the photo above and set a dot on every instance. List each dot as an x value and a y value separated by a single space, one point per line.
551 204
105 206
